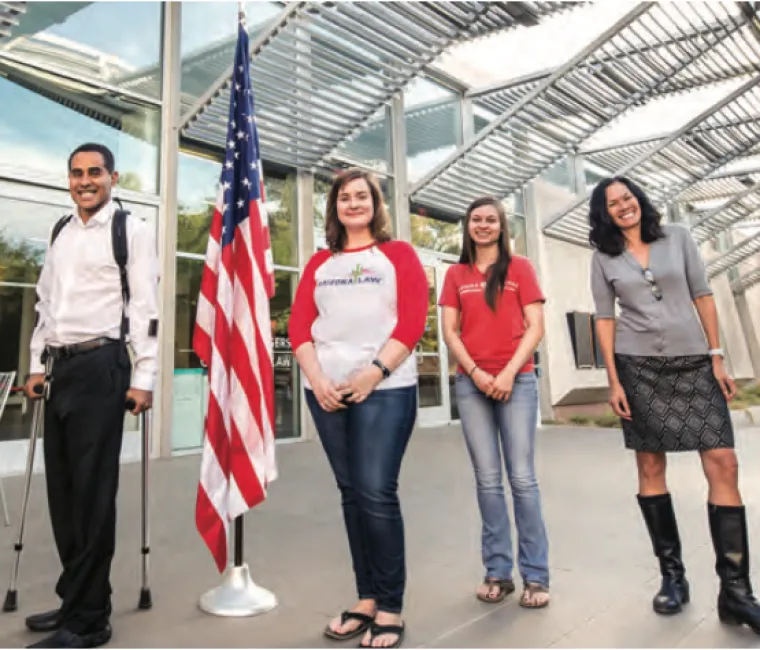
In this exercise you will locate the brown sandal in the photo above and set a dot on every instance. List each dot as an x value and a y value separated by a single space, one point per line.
530 591
505 587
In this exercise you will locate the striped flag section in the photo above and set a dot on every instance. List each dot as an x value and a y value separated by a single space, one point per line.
233 332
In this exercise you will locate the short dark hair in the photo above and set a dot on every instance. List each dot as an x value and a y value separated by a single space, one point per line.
94 147
335 231
605 235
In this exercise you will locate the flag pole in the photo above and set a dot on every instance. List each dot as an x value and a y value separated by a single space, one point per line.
239 540
238 595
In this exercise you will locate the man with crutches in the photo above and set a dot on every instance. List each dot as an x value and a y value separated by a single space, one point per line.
97 292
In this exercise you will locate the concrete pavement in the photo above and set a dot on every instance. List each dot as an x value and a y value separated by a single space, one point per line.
603 571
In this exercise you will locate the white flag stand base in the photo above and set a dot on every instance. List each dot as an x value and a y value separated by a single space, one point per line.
238 595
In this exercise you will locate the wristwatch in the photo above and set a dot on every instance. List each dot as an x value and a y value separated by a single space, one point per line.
383 368
716 352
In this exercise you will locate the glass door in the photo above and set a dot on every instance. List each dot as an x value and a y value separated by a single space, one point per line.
432 357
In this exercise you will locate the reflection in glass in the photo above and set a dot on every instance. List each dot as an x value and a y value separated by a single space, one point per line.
428 361
286 375
190 378
41 123
436 235
433 120
112 43
370 147
429 340
208 42
452 388
16 324
429 369
197 181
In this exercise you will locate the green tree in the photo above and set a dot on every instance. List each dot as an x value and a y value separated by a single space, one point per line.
436 235
193 224
130 181
19 261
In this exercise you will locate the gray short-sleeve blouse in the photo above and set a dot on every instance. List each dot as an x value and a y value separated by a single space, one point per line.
647 326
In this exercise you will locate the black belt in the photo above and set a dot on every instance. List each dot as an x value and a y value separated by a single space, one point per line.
66 351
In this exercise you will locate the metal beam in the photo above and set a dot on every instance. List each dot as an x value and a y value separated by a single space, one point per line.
741 206
734 256
746 281
556 75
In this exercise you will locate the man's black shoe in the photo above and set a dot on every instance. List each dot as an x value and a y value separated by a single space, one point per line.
65 639
46 622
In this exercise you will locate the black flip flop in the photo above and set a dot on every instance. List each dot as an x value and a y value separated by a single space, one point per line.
365 620
505 587
376 630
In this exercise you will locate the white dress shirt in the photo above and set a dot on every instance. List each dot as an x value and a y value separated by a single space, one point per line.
79 292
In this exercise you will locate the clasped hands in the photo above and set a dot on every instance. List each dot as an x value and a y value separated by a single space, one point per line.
499 387
334 397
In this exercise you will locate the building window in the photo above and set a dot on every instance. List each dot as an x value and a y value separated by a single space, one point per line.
433 120
209 37
115 44
436 235
197 182
370 147
69 74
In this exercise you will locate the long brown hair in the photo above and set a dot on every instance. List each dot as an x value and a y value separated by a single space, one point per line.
496 275
335 231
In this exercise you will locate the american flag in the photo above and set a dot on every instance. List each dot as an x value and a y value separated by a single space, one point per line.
233 332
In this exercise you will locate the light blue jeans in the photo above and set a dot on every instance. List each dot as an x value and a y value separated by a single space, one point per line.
486 423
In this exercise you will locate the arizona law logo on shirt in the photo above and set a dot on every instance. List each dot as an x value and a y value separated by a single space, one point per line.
358 275
477 287
472 287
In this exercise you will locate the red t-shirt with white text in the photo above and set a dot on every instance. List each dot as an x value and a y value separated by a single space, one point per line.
491 337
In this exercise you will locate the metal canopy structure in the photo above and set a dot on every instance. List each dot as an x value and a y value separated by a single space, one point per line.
714 138
322 70
747 281
734 256
716 65
9 17
742 206
725 183
654 48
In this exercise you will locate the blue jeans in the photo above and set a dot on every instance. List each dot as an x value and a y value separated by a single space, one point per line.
365 445
486 422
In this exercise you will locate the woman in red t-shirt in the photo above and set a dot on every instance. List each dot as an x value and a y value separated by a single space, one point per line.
492 322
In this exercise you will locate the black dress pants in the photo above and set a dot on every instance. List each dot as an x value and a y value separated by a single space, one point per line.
84 420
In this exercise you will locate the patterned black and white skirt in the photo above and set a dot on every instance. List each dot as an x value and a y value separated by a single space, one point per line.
676 404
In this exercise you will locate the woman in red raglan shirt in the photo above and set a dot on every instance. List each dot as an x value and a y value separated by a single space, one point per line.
359 311
492 322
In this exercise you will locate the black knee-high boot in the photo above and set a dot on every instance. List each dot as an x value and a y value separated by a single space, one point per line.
736 603
661 523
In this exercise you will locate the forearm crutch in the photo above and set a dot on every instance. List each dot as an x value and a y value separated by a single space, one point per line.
146 601
11 598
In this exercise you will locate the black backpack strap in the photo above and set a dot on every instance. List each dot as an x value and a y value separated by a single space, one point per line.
60 224
121 255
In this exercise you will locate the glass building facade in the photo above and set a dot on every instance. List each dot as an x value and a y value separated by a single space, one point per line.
103 72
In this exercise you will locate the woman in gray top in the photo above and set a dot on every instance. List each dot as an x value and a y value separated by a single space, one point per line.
668 383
